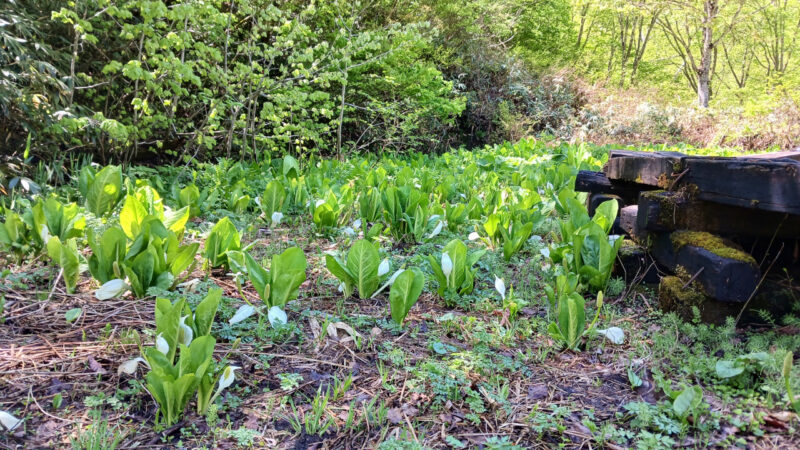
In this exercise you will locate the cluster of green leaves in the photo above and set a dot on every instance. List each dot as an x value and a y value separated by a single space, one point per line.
585 248
281 283
512 229
454 271
101 190
361 269
406 213
181 362
222 241
145 248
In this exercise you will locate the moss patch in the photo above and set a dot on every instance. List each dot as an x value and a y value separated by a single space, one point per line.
629 248
712 243
673 297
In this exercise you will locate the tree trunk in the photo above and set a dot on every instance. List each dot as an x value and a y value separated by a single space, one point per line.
707 53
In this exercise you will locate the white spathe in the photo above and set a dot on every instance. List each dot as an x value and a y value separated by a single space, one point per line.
447 265
161 344
187 334
277 316
500 285
614 334
227 378
242 313
9 422
129 367
111 289
384 267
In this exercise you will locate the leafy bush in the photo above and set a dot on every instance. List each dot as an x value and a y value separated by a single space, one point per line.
16 237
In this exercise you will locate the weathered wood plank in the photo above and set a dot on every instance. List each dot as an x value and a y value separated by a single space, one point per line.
650 168
669 210
598 183
725 273
636 265
591 181
756 184
793 155
675 296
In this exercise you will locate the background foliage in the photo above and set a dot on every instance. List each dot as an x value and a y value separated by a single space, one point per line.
155 80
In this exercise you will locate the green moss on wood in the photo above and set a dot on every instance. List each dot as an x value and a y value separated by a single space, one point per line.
712 243
672 296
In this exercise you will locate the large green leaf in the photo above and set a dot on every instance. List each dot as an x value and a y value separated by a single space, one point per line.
104 191
168 319
339 270
131 216
67 257
175 220
259 277
142 267
273 198
457 251
405 291
363 260
687 401
205 312
288 272
190 196
107 253
571 318
605 214
291 168
324 216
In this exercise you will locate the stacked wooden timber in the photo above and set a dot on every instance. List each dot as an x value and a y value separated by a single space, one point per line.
714 226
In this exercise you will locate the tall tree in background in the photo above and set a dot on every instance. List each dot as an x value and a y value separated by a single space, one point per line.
636 23
694 29
776 32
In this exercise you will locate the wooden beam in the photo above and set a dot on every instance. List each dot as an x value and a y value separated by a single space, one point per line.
669 210
768 185
725 272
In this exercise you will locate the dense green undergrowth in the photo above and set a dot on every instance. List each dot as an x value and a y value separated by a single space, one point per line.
461 284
